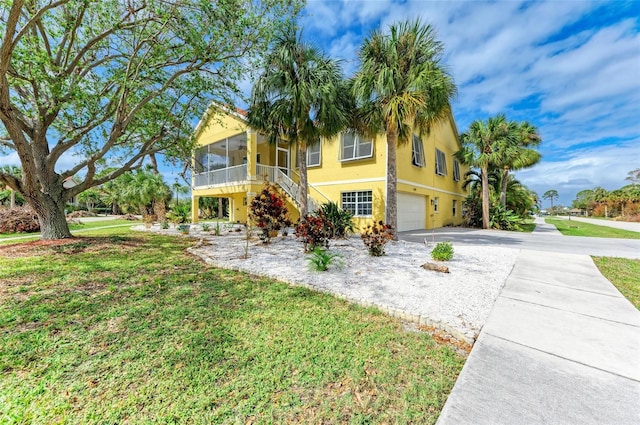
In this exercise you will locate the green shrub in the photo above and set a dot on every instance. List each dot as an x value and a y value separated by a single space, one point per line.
180 213
443 251
375 237
206 227
503 219
342 220
320 259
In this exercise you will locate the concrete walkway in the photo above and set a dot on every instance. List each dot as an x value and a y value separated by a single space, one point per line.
545 229
561 346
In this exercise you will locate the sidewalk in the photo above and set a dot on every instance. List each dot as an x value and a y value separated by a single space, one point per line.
543 228
561 346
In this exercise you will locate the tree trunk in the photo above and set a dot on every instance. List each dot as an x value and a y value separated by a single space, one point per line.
503 187
160 210
392 183
485 198
53 223
220 208
302 160
12 201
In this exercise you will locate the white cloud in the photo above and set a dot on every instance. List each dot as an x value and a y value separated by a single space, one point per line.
605 166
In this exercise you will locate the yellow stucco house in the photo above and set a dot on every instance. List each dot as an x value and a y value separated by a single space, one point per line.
232 161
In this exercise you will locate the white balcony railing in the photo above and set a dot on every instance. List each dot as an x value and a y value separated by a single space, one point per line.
270 173
221 176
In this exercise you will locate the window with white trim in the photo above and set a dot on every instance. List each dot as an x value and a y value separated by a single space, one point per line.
355 146
456 170
314 154
441 163
418 152
454 209
360 203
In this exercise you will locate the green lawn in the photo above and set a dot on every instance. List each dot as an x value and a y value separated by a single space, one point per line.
73 227
127 327
528 226
623 273
578 228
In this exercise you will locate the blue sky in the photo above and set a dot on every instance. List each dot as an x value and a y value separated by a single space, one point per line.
572 68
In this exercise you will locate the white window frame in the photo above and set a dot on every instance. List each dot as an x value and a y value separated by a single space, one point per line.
417 151
359 144
359 201
315 149
456 170
441 163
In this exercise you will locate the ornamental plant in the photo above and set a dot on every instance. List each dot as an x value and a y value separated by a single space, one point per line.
268 212
443 251
320 259
376 236
342 220
315 231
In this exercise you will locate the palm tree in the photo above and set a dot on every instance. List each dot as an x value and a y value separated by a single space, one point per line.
298 98
517 152
481 149
551 194
143 189
401 87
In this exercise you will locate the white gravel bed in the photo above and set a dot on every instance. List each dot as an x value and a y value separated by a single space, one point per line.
458 302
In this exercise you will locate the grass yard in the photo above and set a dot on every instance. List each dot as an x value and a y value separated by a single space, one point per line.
623 273
73 227
578 228
127 327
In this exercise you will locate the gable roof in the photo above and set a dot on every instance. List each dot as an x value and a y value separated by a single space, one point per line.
235 112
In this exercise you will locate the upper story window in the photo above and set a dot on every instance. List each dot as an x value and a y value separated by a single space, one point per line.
441 163
418 152
456 170
355 146
314 154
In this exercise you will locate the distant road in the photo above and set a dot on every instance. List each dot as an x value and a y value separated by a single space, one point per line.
624 225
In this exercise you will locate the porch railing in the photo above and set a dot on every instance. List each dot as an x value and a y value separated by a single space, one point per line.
223 175
272 174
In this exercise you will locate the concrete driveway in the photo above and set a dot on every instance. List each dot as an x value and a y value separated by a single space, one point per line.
544 239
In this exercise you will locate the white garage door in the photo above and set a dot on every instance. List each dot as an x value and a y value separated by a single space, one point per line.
412 211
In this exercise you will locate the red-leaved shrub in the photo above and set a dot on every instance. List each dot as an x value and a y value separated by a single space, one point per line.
315 231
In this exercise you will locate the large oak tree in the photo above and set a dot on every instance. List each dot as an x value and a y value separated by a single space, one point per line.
90 85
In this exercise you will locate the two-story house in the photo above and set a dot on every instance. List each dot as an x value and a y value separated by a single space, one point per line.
233 161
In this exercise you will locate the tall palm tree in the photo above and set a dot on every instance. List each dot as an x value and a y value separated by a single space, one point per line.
401 88
551 194
480 149
517 151
298 98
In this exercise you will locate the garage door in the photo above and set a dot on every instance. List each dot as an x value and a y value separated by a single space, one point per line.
412 211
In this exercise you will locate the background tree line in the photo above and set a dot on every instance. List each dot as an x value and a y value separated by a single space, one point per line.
622 202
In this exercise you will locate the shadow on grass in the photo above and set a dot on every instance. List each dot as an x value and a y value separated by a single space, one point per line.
132 328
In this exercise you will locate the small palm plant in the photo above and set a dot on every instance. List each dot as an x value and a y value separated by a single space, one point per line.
320 259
